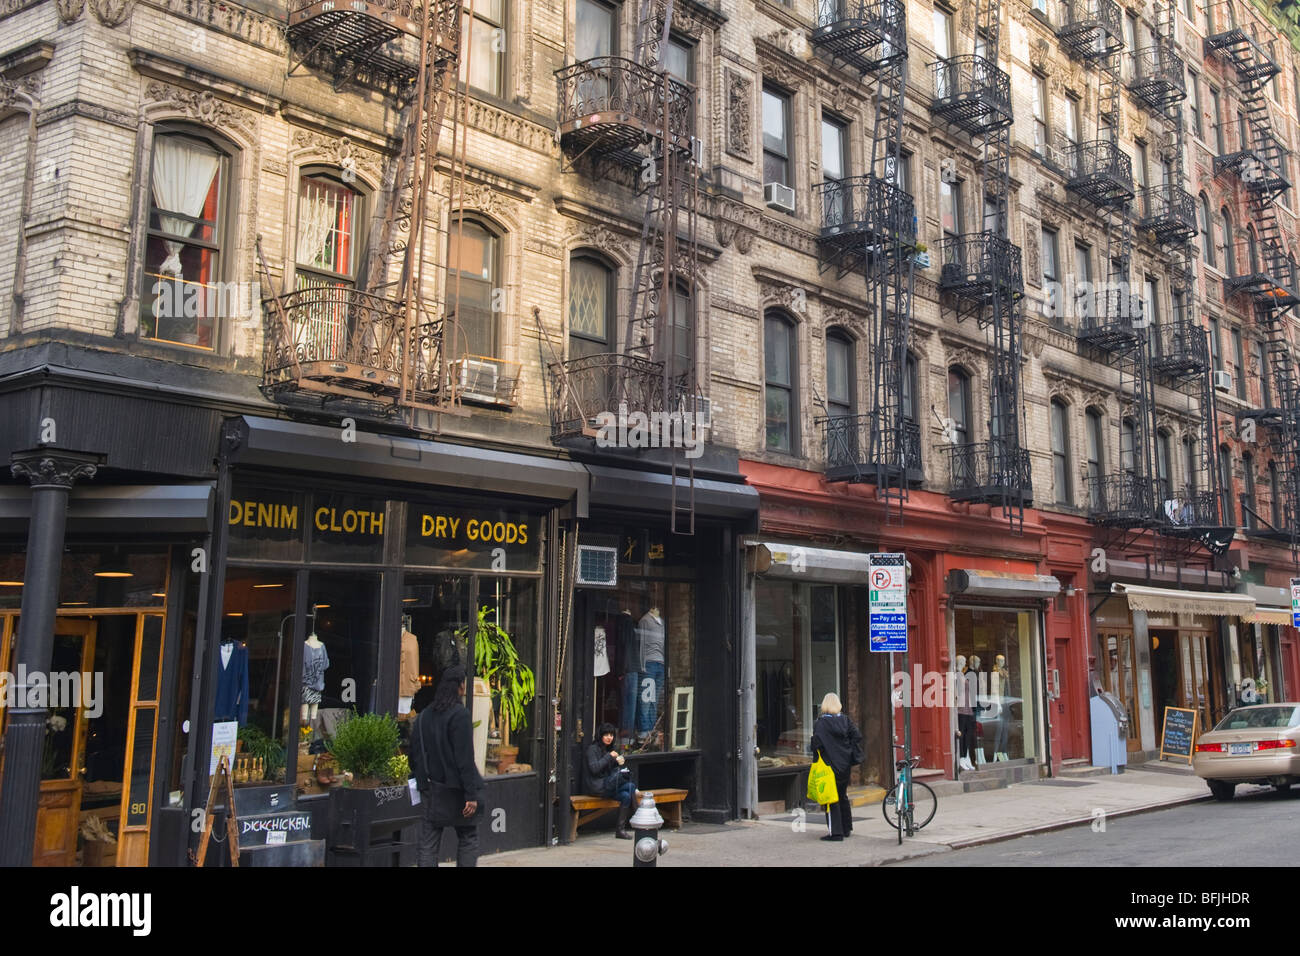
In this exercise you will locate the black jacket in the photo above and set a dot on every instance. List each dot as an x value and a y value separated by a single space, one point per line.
838 740
449 733
599 770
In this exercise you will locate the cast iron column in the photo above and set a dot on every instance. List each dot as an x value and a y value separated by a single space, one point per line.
51 475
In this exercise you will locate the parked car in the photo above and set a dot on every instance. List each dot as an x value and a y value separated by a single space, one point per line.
1256 744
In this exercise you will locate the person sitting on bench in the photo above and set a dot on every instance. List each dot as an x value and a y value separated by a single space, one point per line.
604 775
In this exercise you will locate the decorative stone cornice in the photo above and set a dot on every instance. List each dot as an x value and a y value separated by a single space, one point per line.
112 13
52 469
70 10
735 221
204 107
340 151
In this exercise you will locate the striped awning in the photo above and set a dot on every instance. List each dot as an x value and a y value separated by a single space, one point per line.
1171 601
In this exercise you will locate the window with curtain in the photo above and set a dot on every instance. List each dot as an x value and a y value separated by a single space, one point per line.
473 278
839 375
1061 452
959 404
950 209
780 382
594 30
1096 456
591 307
483 45
186 234
326 245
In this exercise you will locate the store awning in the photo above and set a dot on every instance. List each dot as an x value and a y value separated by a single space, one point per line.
1002 584
1268 615
1170 601
137 509
630 490
825 566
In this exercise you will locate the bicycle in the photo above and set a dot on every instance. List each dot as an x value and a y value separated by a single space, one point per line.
909 800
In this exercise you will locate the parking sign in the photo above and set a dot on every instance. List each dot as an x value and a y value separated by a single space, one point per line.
887 591
1295 602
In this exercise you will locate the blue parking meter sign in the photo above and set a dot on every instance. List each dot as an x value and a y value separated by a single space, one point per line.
1295 602
887 591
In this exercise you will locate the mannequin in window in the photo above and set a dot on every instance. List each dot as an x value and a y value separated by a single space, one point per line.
651 639
975 690
315 661
232 682
999 682
408 671
965 712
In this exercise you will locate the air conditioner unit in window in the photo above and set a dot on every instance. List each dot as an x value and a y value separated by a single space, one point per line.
1223 381
697 151
779 196
702 407
597 566
478 380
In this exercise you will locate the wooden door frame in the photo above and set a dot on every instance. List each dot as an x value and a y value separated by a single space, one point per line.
1133 742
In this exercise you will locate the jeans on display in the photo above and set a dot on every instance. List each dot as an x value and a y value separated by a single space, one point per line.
1000 736
631 688
648 710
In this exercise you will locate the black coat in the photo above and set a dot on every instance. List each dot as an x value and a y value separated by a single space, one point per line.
838 740
600 771
451 733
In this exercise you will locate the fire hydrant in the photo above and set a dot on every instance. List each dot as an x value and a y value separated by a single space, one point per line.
647 848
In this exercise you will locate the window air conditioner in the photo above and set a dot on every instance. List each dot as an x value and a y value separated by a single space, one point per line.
697 151
779 196
703 408
597 566
1223 381
478 380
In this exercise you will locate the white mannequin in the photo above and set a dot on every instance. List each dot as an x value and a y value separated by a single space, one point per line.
309 710
962 699
978 699
998 680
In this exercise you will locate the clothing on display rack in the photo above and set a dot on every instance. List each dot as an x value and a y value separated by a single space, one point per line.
408 672
232 683
651 639
315 661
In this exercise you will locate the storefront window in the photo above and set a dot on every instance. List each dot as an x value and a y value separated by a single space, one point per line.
999 649
482 539
110 577
512 605
266 525
346 529
340 664
798 662
12 569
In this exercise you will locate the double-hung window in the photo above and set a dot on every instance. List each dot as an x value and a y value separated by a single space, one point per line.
777 151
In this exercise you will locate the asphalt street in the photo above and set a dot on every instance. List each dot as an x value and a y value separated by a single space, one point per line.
1259 828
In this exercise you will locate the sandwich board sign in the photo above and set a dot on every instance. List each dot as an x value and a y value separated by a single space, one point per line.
887 590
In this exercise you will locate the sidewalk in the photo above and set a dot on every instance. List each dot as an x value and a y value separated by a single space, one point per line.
962 820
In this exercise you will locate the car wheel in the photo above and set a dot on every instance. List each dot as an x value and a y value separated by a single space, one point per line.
1221 790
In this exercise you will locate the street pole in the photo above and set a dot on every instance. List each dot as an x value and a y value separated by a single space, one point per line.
51 475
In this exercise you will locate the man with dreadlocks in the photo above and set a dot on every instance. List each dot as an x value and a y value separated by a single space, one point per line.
442 760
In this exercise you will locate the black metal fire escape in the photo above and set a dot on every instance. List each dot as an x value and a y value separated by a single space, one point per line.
869 226
376 345
1265 272
633 113
982 272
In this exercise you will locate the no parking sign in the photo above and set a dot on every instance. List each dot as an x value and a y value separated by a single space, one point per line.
887 587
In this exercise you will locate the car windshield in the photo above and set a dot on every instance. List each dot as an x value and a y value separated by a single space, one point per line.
1253 718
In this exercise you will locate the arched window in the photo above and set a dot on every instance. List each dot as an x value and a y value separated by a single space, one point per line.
959 404
1061 452
591 306
1248 492
474 288
841 398
1225 484
1229 259
187 239
780 368
1254 250
1275 493
1096 456
1207 233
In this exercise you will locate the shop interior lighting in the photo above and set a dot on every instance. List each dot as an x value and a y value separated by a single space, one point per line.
257 586
11 584
114 567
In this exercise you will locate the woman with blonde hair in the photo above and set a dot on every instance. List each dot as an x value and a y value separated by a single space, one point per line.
837 740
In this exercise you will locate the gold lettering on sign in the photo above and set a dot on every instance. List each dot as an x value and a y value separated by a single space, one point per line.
489 532
263 514
349 521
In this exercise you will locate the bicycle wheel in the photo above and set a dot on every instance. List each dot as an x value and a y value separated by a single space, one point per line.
889 807
924 804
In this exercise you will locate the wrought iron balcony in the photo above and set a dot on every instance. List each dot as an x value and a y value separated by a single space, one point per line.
1110 318
1099 172
867 35
1160 78
1263 274
1260 164
851 456
975 264
1123 500
865 216
611 105
1169 211
1239 49
972 94
587 390
341 342
989 472
1180 350
1185 512
1090 29
375 41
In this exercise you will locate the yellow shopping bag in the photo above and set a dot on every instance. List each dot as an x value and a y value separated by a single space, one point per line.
821 783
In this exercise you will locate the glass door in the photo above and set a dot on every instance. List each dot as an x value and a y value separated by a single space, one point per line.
1194 667
1120 675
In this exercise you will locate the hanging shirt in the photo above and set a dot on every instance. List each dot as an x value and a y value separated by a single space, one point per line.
314 663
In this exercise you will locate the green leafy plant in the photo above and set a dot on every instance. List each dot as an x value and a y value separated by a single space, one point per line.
398 769
365 743
258 744
497 662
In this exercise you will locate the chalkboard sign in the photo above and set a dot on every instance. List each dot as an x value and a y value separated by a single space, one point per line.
1179 735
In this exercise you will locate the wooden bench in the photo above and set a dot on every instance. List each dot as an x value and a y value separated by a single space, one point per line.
585 808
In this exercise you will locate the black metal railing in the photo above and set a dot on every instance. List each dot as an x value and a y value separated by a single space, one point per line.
1168 210
971 93
1124 499
866 34
1110 317
1099 172
1090 28
867 206
975 263
1262 272
1159 77
602 389
1184 510
1243 52
1179 349
1260 162
619 102
988 469
851 456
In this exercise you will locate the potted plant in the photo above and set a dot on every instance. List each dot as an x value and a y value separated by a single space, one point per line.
363 745
372 809
256 744
511 683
